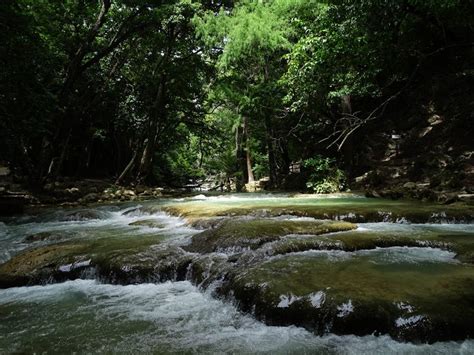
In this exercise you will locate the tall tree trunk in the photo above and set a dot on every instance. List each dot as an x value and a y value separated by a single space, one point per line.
157 113
239 154
128 168
285 156
146 160
248 158
272 164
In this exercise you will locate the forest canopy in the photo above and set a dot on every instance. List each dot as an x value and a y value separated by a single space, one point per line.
167 92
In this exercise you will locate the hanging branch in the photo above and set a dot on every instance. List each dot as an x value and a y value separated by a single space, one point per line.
352 122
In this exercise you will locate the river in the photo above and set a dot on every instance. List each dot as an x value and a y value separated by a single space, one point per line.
86 315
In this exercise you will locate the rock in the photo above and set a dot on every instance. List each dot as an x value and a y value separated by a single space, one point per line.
348 295
380 210
256 186
129 193
289 271
435 120
446 197
465 197
410 185
37 265
139 189
73 190
205 223
91 197
150 265
240 235
111 260
45 236
82 215
150 223
392 193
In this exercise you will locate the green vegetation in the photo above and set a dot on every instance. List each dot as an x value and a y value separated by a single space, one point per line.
325 177
176 91
361 292
252 234
353 209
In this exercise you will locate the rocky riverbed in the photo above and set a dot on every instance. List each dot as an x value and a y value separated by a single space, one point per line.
339 267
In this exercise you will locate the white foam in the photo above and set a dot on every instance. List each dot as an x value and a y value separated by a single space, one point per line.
414 228
390 255
408 322
317 299
345 309
410 255
287 300
405 307
86 316
115 222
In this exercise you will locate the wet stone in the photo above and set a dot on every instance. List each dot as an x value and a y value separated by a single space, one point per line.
82 215
247 234
362 293
116 261
412 282
356 210
47 237
150 223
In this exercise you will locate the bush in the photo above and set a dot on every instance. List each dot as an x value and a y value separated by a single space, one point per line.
325 177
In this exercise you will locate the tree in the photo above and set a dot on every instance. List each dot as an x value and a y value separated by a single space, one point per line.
249 40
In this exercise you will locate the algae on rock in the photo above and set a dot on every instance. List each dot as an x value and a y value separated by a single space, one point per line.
347 293
243 234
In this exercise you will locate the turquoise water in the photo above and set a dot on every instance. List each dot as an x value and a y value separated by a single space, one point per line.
85 316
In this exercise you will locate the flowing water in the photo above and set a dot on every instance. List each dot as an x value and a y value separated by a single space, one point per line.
87 316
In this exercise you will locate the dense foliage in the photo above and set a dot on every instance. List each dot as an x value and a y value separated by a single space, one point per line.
167 91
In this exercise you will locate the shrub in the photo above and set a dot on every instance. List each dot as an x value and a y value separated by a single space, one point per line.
325 177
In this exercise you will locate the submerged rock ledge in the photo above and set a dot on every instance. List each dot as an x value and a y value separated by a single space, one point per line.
363 211
320 275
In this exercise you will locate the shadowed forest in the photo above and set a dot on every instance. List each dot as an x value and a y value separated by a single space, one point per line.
301 95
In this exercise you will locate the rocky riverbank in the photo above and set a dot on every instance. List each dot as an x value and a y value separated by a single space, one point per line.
15 197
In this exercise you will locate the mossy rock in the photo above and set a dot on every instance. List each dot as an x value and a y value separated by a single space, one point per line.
353 295
151 265
244 234
205 223
150 223
47 237
356 210
461 243
63 261
39 265
348 242
205 269
82 215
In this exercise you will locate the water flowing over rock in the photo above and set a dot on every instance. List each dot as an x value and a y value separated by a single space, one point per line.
413 282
